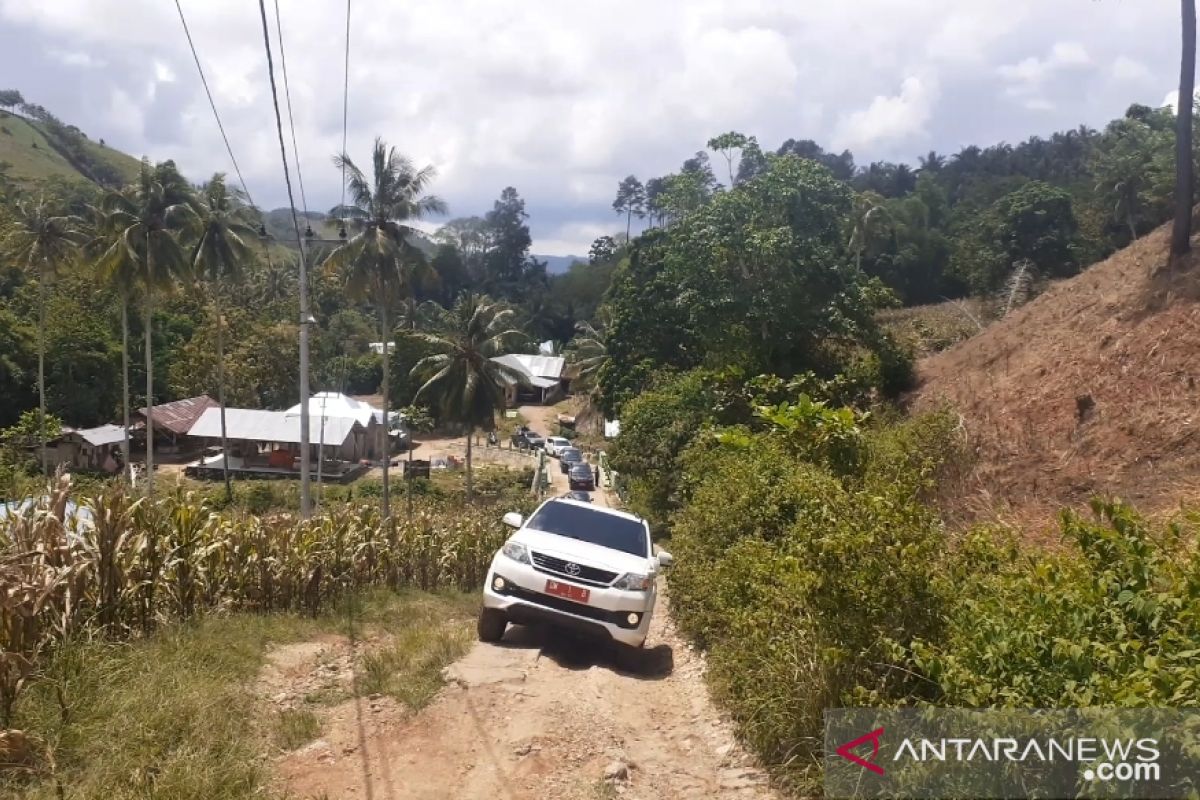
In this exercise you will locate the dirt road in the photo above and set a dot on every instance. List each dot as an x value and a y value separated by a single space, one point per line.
537 717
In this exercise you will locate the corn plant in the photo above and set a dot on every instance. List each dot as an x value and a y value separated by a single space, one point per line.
138 564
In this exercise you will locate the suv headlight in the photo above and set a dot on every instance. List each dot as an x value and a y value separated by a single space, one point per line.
633 582
517 552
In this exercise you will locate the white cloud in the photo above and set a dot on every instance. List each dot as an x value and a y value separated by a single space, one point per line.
562 100
1129 69
1028 78
75 58
887 118
1034 70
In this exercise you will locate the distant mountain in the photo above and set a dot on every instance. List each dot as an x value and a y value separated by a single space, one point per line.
557 265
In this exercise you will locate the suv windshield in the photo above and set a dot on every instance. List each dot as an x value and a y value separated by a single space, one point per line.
587 525
571 454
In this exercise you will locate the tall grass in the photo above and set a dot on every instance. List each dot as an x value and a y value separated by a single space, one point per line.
143 563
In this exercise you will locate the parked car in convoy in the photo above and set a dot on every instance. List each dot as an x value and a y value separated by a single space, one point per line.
569 456
578 567
582 497
556 444
525 438
581 477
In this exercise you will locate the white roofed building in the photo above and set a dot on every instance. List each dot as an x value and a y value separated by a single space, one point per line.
543 380
268 442
334 405
93 449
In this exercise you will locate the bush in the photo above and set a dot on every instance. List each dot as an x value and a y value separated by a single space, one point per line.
794 577
813 589
1114 620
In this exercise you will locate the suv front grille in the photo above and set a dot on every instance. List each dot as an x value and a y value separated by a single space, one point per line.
558 566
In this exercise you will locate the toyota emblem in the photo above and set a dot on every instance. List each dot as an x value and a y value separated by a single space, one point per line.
572 568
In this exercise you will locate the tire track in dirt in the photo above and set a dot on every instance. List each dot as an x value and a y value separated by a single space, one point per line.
539 716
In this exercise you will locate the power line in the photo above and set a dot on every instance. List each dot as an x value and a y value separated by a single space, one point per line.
287 176
345 107
212 104
305 506
287 93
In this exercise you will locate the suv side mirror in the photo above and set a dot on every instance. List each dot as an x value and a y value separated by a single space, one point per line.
513 520
665 559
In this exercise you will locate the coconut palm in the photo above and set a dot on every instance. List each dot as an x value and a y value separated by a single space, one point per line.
866 222
41 240
147 218
381 263
221 251
587 354
467 386
115 269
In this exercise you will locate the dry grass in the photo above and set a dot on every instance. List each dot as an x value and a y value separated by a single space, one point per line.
1089 389
177 716
934 328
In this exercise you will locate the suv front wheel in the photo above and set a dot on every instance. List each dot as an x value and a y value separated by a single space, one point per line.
491 625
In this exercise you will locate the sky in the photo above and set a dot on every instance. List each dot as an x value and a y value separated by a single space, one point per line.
563 99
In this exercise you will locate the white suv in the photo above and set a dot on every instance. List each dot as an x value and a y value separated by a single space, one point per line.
578 566
555 444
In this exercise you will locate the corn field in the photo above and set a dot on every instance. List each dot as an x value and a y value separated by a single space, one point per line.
139 564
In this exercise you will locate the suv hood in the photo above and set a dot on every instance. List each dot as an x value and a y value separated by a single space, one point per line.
592 555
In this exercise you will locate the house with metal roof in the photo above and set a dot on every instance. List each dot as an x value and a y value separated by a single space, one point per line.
90 449
267 444
173 421
542 378
324 406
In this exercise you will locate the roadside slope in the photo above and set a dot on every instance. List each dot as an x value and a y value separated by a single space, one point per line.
1088 389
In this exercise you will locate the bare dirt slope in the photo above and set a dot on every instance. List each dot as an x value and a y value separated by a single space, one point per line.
1089 389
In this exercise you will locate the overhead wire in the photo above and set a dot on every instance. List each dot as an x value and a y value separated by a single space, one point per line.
305 318
287 176
287 93
213 105
345 117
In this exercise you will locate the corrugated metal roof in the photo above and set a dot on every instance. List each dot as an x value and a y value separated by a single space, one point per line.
549 367
335 404
178 416
105 434
251 424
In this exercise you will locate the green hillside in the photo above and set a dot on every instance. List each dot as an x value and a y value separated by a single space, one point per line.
29 156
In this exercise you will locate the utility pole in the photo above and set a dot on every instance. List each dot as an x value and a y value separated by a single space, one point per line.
306 319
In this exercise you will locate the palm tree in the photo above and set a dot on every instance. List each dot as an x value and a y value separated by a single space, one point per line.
380 262
1184 180
218 256
148 217
588 353
867 216
467 386
43 241
116 269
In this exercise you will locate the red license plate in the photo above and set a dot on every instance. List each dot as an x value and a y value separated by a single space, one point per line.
560 589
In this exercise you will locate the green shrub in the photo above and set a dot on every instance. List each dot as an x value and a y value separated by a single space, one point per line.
796 581
1114 620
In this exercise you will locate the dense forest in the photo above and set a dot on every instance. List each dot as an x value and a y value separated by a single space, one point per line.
807 244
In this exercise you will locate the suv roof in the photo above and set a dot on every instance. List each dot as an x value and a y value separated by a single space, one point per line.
598 509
